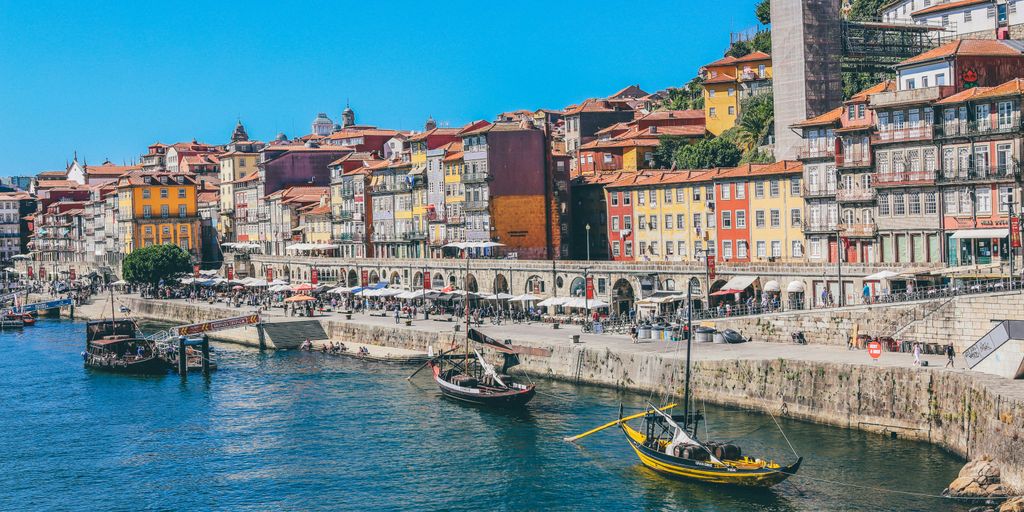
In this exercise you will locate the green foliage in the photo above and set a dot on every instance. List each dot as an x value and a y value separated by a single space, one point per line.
763 11
762 42
865 10
688 97
757 156
665 153
856 82
756 121
151 264
707 153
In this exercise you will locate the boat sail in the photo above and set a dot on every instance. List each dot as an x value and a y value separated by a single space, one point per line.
669 444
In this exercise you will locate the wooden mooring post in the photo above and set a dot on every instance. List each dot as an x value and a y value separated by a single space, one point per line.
182 358
206 355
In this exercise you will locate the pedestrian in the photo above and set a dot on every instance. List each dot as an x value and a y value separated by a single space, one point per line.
632 333
950 354
867 294
917 354
397 312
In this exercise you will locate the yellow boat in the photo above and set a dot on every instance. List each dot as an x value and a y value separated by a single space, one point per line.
671 450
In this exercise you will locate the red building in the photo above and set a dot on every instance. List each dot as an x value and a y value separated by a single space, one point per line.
732 206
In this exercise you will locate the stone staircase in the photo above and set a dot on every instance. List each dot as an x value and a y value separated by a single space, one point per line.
285 335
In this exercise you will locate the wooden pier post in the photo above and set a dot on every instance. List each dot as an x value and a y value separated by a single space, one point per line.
182 358
206 355
71 314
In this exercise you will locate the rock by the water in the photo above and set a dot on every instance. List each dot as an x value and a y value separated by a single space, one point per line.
1013 505
978 478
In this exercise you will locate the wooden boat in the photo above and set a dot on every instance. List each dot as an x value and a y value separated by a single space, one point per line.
468 377
26 318
111 345
13 321
669 445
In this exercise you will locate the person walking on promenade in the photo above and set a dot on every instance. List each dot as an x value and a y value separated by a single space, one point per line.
950 354
632 333
397 313
917 354
867 294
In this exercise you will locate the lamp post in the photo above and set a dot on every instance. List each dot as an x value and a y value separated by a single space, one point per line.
689 340
840 249
588 241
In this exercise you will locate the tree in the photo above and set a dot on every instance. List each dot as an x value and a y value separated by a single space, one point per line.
687 97
756 121
763 11
152 264
865 10
665 153
707 153
761 42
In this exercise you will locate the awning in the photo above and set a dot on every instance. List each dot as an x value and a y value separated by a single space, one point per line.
739 283
795 287
878 276
772 286
981 233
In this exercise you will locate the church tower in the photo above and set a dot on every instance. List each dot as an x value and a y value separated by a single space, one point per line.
348 117
239 133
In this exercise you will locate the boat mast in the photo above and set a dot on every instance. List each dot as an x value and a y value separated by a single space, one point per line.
689 339
465 282
112 319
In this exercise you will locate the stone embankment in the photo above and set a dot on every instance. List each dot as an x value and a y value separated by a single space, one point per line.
971 414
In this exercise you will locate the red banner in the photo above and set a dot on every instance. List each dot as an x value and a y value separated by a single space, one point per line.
270 274
42 272
365 278
1014 232
711 267
195 271
231 272
71 273
590 287
31 270
426 280
314 276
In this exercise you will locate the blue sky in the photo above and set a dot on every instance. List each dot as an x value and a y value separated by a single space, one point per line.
107 79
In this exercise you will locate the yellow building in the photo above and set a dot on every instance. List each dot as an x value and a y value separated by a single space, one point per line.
730 80
158 207
454 228
315 221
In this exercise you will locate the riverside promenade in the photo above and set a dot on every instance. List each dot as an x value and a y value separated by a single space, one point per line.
969 413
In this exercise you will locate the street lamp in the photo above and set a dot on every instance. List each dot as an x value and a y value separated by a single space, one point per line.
691 284
588 241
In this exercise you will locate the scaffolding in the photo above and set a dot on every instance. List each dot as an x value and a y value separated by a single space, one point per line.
874 47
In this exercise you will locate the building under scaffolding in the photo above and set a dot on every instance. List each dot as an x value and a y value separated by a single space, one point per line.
875 47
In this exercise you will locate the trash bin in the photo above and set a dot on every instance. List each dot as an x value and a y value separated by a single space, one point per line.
598 328
719 337
657 333
703 334
643 333
575 338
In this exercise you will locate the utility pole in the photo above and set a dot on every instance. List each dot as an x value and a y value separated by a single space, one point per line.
1010 214
588 241
839 264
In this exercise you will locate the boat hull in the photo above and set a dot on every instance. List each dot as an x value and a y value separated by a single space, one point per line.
686 469
149 366
503 399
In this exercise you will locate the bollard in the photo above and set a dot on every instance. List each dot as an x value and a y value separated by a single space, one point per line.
206 355
71 314
182 358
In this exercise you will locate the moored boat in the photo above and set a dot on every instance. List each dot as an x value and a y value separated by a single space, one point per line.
111 345
475 381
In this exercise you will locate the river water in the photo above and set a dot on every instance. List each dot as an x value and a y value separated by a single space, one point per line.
297 431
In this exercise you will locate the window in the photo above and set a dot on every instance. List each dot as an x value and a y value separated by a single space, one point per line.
741 249
654 222
615 223
696 193
680 194
1005 110
816 248
731 91
682 249
627 197
608 158
669 249
1005 198
732 110
181 210
990 12
762 249
759 189
145 193
653 194
951 201
861 108
181 193
615 249
681 221
727 249
776 218
898 204
911 83
698 249
940 79
773 188
668 222
629 248
741 219
641 197
983 201
776 249
165 211
797 249
794 217
654 248
851 112
615 198
967 15
668 196
759 219
945 20
794 187
914 203
696 222
741 192
627 222
726 219
641 221
725 189
163 193
711 92
643 248
924 82
147 211
710 217
711 110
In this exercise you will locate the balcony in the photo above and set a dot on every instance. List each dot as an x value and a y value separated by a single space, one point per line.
816 150
980 173
475 206
820 227
975 129
904 178
907 97
920 132
391 188
415 235
387 237
854 195
345 215
819 191
456 219
853 160
867 230
475 177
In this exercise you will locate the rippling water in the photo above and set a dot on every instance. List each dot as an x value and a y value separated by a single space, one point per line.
297 431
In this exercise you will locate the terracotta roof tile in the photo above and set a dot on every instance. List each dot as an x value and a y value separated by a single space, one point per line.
883 86
974 47
753 57
722 78
830 117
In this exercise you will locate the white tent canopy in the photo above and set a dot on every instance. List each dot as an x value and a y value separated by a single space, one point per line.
884 274
526 297
795 287
981 233
739 283
580 303
772 286
553 301
474 245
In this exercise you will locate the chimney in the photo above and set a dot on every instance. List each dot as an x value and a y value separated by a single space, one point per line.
671 115
652 129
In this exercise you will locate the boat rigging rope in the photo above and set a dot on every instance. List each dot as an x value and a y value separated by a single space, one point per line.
783 432
897 491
